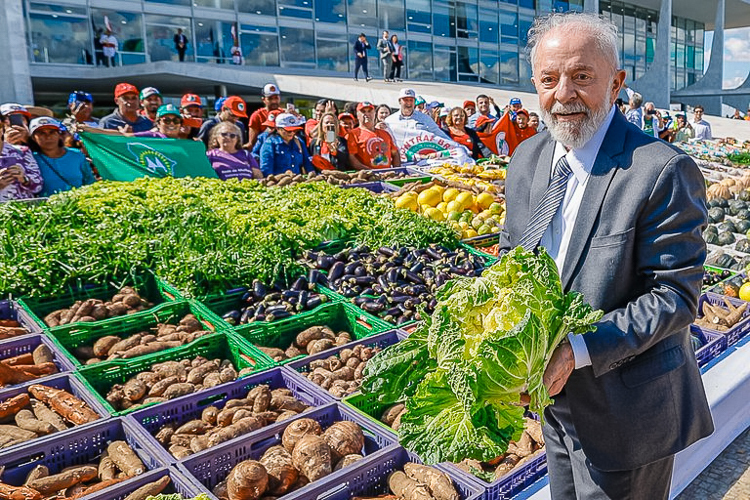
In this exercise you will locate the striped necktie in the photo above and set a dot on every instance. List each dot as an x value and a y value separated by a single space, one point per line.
547 207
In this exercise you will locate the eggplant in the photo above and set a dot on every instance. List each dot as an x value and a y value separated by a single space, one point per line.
314 302
348 293
392 275
247 314
277 315
368 291
393 311
382 281
388 252
361 271
273 296
364 280
400 298
372 307
358 301
337 271
304 296
433 253
300 284
325 261
312 278
288 294
350 267
416 268
247 297
413 277
232 317
259 290
277 308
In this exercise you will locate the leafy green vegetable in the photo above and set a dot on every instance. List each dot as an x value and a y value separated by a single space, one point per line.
462 372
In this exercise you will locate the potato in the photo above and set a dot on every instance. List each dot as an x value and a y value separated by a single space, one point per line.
312 457
296 430
344 438
248 480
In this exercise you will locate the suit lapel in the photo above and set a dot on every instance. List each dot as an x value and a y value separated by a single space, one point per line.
604 169
541 177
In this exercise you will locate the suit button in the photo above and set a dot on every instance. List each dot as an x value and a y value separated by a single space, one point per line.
613 366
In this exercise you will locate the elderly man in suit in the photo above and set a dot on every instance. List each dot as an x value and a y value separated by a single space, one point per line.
621 213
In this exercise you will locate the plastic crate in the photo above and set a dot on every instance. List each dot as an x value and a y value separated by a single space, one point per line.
382 340
27 343
78 447
211 466
489 259
375 187
150 287
369 408
715 269
70 337
482 241
369 478
190 407
736 332
100 378
338 316
11 310
401 182
713 344
179 483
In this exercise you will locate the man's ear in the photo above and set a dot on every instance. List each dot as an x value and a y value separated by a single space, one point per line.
617 81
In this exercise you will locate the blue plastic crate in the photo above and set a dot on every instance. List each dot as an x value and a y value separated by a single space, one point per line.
9 309
736 332
369 478
80 446
713 344
210 467
179 483
302 366
375 187
186 408
27 343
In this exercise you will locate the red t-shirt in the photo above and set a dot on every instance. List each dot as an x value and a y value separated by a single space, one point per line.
257 119
373 148
464 140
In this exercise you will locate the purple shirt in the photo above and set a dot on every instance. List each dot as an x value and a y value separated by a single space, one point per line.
12 155
237 165
150 133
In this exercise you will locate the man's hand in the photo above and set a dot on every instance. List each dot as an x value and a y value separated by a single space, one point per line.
559 369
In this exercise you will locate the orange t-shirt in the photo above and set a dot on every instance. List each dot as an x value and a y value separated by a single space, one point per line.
464 140
257 119
373 148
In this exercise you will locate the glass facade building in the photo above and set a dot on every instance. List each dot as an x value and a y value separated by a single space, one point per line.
445 40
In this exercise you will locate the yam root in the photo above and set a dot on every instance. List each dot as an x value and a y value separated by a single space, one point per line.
18 493
26 420
125 458
438 483
344 438
97 487
11 406
43 354
248 480
55 482
312 457
21 359
74 410
42 412
239 428
298 429
281 472
405 487
17 375
150 489
37 472
107 469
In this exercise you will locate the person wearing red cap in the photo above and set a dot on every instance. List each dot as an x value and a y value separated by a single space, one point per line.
270 124
470 107
371 146
346 123
125 117
328 148
232 110
271 97
16 119
191 108
284 151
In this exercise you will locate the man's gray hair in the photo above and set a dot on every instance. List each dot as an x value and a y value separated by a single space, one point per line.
603 30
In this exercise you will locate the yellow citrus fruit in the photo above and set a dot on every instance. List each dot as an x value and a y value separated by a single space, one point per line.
745 292
434 214
465 198
454 206
407 201
470 233
463 224
439 189
430 197
485 200
443 207
450 194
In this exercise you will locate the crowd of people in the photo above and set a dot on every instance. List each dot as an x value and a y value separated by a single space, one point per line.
42 155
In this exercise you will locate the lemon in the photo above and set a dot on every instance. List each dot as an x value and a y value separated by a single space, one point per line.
454 206
465 198
408 201
450 194
745 292
470 233
454 216
463 224
434 214
424 208
443 207
430 197
485 200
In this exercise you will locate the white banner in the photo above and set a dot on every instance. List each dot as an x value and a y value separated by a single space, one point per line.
421 146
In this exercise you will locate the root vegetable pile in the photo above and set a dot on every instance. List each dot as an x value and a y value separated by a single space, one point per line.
261 407
272 303
126 301
420 482
117 463
520 452
169 380
10 328
306 454
721 318
333 177
394 283
28 366
308 342
159 338
341 374
43 410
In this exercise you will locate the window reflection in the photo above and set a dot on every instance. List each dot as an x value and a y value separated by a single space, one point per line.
259 7
418 16
60 39
297 49
468 64
215 4
333 52
300 9
171 2
213 41
160 31
362 14
467 23
508 68
391 14
488 26
443 19
446 64
330 11
489 66
419 60
260 46
128 28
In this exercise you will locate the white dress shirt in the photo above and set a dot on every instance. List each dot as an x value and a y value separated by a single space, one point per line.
556 239
702 130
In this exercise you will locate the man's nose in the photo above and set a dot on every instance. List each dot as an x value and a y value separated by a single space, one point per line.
566 90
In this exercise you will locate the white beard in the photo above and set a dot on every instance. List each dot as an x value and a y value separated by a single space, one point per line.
575 134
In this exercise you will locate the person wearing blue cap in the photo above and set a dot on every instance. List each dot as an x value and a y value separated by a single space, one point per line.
81 104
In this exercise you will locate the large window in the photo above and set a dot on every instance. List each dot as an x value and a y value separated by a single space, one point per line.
160 32
259 7
419 60
467 21
509 27
128 28
215 4
172 2
330 11
508 68
391 14
488 26
489 66
57 38
446 63
362 14
418 16
260 45
213 40
301 9
444 19
297 48
333 51
468 64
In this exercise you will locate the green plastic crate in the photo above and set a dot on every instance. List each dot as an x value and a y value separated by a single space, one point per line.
149 287
491 259
408 180
367 406
337 315
70 337
100 378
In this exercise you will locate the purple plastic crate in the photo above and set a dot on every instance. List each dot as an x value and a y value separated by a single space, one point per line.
369 478
178 483
737 331
210 467
186 408
375 187
27 343
78 447
713 344
302 366
10 310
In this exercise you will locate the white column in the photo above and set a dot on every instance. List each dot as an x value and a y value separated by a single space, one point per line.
15 79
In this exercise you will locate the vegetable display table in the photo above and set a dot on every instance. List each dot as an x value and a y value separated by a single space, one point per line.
727 383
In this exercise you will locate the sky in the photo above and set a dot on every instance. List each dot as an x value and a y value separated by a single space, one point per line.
736 55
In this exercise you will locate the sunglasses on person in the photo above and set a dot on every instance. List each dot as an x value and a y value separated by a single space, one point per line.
229 135
171 121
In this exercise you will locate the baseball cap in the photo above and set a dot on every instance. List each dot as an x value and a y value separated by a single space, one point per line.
10 108
287 121
445 111
219 103
167 109
407 93
271 119
469 103
79 96
190 100
346 115
271 89
515 101
434 104
419 100
236 105
43 122
365 104
148 92
125 88
522 112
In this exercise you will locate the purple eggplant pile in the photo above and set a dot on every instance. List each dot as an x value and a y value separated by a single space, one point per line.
393 283
271 303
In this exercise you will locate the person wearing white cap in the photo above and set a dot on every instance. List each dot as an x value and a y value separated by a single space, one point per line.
19 174
283 151
271 97
16 118
409 117
62 168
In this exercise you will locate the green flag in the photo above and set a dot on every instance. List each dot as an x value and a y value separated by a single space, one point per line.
120 158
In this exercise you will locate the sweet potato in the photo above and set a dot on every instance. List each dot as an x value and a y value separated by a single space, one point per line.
226 416
74 490
248 480
68 406
107 469
149 489
239 428
16 375
21 359
179 452
125 458
344 438
26 420
148 348
312 457
55 482
38 370
285 415
314 333
8 492
198 443
11 406
171 368
181 439
53 319
165 434
177 390
37 472
103 345
88 490
125 344
162 385
319 345
407 488
42 412
193 427
134 389
209 414
281 472
212 380
296 430
438 483
198 373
